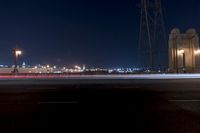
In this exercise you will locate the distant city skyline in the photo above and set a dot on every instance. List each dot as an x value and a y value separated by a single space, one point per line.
95 33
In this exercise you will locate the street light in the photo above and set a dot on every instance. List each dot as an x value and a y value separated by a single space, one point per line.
16 53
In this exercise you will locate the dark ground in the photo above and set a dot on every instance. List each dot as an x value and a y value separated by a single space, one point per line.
151 106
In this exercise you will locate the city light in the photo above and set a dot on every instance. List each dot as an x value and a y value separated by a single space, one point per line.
180 52
77 67
18 52
197 52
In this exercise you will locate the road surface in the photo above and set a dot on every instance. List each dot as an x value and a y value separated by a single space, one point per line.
104 103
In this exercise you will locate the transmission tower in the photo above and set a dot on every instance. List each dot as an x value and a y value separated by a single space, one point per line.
152 37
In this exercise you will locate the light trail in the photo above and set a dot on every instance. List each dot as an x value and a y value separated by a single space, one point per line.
122 77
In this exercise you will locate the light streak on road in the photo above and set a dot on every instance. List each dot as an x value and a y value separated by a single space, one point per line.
122 77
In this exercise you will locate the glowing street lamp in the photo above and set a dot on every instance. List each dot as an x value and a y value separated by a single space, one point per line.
16 53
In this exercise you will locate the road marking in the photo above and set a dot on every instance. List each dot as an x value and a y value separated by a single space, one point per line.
65 102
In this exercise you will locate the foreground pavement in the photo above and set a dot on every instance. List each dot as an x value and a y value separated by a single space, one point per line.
133 103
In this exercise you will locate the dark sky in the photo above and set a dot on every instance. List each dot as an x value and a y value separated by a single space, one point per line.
99 33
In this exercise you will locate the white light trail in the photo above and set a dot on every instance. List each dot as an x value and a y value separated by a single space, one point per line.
107 77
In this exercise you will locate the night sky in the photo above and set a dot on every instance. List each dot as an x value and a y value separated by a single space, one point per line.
98 33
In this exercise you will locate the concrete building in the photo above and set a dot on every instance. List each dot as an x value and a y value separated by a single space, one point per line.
184 53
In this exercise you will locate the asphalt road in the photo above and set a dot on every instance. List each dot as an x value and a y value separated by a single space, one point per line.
134 103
